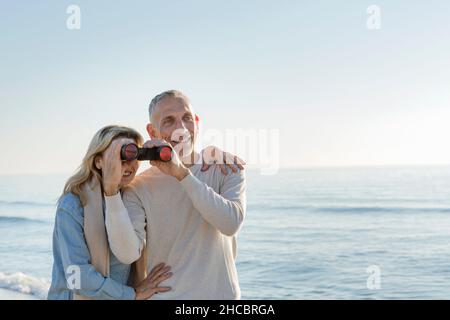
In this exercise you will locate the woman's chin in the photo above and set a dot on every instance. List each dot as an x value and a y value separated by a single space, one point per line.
126 180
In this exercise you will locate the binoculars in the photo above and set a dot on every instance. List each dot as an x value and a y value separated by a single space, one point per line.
131 151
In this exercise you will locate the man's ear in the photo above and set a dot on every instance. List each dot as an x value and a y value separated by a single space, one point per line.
151 130
197 119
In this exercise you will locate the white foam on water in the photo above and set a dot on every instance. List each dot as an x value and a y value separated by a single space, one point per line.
25 284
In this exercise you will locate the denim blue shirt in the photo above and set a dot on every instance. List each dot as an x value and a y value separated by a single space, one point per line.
70 249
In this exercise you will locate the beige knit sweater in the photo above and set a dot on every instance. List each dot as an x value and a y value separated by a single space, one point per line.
190 225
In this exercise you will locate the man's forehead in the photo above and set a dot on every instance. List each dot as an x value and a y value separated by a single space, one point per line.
170 105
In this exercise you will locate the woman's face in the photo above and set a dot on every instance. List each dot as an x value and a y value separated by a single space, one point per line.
129 168
114 171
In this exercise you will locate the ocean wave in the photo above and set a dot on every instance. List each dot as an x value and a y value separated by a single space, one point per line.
354 209
27 203
25 284
380 209
19 220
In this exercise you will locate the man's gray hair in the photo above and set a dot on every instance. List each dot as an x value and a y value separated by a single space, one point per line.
159 97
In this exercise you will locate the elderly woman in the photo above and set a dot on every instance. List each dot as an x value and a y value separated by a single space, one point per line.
84 266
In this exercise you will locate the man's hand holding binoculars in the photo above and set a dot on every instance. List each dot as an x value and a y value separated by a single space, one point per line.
174 167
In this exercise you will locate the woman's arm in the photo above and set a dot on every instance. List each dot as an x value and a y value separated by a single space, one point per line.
75 256
126 243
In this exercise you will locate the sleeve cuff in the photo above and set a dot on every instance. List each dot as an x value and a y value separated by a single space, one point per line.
114 203
129 293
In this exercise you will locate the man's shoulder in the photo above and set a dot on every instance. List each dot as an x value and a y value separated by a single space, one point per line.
144 178
215 175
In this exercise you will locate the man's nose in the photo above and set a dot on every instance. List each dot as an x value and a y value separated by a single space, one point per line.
180 128
180 125
180 133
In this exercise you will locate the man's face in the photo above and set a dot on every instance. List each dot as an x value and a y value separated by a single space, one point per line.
175 122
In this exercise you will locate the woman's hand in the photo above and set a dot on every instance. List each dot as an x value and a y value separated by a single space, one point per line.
213 155
112 167
149 286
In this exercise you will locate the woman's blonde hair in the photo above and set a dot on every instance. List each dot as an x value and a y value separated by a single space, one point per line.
99 143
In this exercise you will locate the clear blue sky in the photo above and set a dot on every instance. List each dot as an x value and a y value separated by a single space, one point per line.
340 94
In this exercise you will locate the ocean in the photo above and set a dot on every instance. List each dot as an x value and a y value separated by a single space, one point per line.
312 233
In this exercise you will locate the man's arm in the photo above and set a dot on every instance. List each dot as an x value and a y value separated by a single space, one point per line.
125 226
225 210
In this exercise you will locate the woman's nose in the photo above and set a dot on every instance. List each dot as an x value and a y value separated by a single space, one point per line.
128 163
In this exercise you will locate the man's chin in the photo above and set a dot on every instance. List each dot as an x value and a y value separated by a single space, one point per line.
183 150
184 153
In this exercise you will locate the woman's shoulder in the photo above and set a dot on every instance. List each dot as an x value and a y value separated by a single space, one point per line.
71 203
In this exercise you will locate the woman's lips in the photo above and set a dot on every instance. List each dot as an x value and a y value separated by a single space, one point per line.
127 173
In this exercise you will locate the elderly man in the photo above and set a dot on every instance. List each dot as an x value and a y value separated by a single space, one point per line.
183 216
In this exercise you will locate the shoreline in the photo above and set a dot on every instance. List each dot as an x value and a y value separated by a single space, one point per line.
6 294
